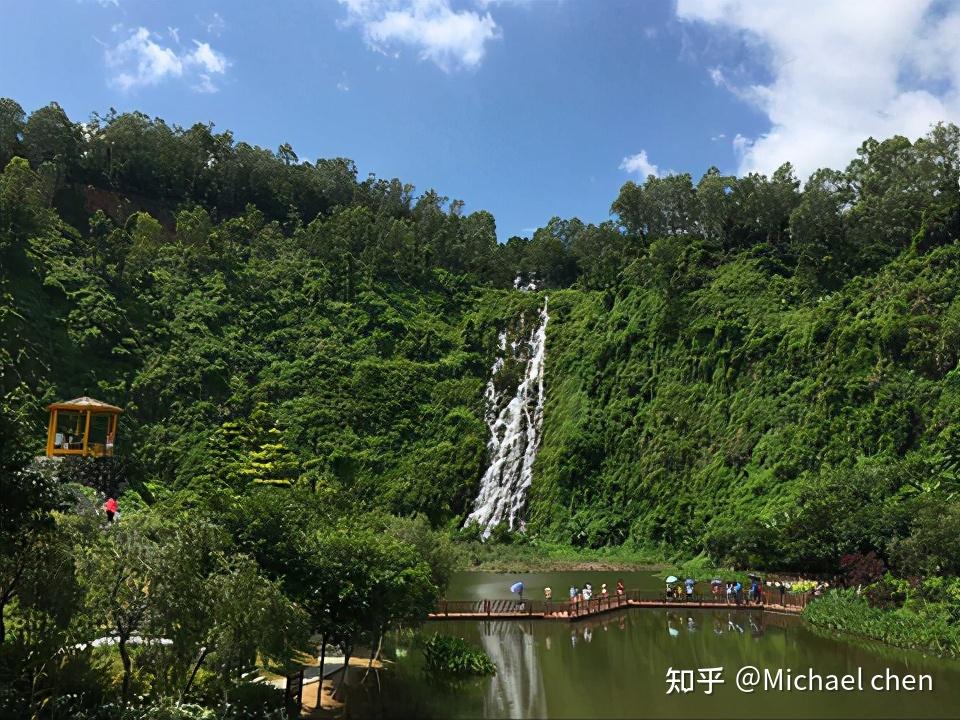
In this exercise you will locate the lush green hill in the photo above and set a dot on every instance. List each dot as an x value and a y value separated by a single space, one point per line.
740 368
723 427
721 357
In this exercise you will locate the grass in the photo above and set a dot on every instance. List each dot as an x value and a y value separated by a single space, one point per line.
543 556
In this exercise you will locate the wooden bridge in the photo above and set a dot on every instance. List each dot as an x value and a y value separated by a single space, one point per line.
522 609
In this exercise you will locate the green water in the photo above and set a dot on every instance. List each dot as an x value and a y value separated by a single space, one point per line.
616 665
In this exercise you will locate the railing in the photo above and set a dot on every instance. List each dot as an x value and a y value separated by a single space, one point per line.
580 607
602 603
493 608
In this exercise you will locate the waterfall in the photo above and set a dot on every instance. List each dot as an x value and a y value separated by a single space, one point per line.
515 432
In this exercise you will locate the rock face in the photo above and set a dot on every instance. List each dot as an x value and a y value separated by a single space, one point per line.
516 424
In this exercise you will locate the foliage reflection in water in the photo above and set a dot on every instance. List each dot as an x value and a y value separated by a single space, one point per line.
616 665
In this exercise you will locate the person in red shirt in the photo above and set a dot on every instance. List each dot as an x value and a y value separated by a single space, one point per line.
111 507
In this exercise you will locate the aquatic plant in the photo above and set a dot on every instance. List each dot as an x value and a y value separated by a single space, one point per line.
453 656
918 625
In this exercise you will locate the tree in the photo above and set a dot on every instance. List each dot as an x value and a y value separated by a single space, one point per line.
548 259
12 123
30 494
818 232
601 253
245 617
49 136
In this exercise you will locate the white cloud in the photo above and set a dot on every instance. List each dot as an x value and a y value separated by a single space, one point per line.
214 24
639 163
204 84
451 39
207 58
140 60
839 72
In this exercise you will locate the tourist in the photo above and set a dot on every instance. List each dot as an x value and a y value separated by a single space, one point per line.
587 592
620 589
690 585
573 592
547 594
738 592
729 592
111 508
603 590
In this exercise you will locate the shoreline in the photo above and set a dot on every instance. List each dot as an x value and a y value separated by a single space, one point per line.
549 565
536 556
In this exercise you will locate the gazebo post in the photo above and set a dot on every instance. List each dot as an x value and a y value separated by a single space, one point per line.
86 434
51 431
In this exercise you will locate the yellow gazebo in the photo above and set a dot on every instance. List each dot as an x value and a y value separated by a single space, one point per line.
82 426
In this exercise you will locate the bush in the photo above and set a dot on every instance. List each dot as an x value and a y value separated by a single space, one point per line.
448 655
931 546
886 594
862 569
917 625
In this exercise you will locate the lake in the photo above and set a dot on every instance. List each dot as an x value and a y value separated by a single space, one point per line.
615 666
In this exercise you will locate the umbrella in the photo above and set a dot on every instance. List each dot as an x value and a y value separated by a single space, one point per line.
671 578
690 581
753 577
517 587
132 640
716 581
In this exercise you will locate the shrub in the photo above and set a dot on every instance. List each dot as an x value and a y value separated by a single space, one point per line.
862 569
886 594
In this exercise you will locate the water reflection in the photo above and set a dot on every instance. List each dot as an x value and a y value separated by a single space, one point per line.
614 666
517 688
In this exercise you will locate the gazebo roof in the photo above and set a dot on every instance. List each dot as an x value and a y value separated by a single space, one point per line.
85 403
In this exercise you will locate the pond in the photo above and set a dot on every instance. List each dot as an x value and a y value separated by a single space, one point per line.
616 665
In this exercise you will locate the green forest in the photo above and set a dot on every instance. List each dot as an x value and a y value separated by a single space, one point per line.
759 370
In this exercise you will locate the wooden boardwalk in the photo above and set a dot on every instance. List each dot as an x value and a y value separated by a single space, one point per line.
576 610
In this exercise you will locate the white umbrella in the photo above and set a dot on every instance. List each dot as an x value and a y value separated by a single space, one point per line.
132 640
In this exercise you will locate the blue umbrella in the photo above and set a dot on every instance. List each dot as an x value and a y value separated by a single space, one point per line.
517 587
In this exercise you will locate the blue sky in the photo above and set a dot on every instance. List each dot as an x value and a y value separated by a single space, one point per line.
526 108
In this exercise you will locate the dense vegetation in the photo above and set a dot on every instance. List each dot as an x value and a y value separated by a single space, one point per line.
922 616
749 368
449 656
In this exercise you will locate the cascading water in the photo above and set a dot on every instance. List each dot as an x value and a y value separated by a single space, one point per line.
515 431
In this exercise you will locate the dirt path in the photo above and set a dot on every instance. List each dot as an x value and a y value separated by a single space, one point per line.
329 707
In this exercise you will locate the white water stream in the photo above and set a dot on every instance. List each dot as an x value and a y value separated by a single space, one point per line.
515 433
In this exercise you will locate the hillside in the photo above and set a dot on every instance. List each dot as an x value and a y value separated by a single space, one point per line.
741 366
